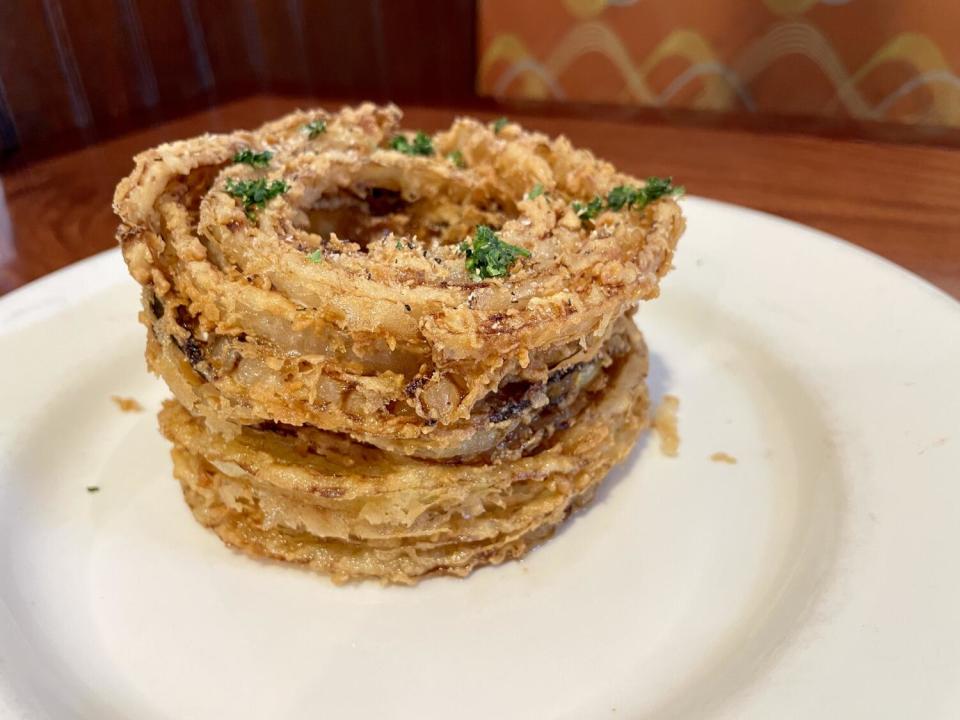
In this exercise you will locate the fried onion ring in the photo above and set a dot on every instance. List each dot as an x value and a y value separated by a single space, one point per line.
232 383
391 307
317 499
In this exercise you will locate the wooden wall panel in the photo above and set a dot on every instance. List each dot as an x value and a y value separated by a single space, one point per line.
104 65
222 33
341 48
75 71
430 46
34 87
168 53
283 44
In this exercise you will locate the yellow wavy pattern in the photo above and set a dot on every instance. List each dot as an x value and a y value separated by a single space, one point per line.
717 93
512 49
725 86
597 37
931 70
585 8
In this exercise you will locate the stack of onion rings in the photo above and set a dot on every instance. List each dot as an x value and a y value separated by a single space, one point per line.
338 310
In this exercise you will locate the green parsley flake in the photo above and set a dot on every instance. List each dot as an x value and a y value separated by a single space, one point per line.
534 192
93 489
253 159
399 245
588 212
456 157
499 124
622 196
255 194
657 187
489 256
316 256
625 196
421 145
314 128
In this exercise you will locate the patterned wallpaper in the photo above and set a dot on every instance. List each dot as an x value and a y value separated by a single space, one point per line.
885 60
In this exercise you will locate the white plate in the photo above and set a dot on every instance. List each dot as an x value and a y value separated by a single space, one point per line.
816 578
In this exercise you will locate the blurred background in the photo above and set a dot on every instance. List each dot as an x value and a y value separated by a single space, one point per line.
840 114
73 72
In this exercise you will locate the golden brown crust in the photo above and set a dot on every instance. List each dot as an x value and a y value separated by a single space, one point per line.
234 382
349 396
397 305
313 498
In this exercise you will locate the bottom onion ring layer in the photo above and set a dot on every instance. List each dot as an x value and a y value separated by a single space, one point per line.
317 499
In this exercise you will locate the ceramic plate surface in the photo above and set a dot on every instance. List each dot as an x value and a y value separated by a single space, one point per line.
816 577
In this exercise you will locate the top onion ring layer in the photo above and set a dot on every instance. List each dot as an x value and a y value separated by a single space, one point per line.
358 264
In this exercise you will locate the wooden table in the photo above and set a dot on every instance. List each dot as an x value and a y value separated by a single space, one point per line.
900 201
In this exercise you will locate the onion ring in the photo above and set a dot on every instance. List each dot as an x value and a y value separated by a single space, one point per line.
394 307
352 511
232 383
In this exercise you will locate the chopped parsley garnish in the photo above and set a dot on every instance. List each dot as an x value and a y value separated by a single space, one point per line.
657 187
456 157
588 212
421 145
626 196
499 124
399 245
254 194
489 256
534 192
316 256
314 128
622 196
253 159
93 489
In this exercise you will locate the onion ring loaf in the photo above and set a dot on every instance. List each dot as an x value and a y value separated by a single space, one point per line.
393 355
